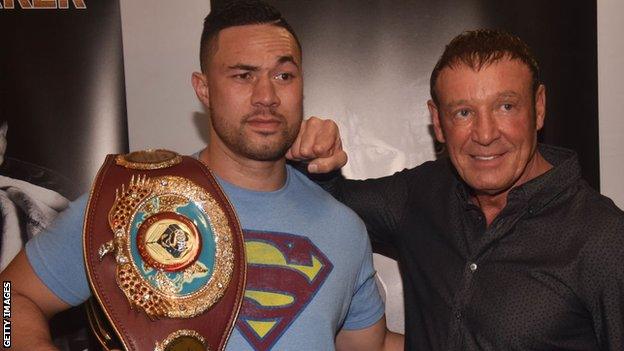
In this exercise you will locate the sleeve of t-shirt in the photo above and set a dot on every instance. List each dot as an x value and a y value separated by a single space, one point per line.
366 307
56 255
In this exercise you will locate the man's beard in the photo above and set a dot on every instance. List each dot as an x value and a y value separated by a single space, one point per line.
233 136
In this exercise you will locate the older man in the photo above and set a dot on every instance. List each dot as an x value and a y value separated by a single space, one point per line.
502 245
310 282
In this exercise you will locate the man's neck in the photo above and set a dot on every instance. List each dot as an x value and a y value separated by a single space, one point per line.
244 172
492 204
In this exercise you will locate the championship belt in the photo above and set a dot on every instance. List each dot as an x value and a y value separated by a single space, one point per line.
164 253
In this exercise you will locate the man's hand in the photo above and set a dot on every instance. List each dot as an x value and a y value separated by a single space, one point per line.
319 143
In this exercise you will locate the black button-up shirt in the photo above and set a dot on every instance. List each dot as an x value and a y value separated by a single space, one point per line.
547 274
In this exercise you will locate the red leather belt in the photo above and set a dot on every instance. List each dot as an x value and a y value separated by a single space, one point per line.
164 253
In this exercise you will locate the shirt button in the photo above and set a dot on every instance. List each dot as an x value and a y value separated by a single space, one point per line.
473 267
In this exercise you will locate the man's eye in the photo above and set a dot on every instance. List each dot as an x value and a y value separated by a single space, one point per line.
243 76
507 107
463 113
284 76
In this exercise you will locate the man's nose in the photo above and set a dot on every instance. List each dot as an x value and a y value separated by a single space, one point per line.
485 128
264 93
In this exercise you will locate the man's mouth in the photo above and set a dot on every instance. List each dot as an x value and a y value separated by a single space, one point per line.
263 121
264 124
485 158
488 157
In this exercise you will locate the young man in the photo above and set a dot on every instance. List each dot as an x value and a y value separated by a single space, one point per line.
502 245
310 282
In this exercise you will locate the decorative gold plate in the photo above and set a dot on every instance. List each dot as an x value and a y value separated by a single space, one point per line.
183 340
149 159
172 244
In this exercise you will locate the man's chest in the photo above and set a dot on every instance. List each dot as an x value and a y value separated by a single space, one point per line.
515 288
288 277
509 304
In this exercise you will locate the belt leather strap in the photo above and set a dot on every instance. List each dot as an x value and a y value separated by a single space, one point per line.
175 275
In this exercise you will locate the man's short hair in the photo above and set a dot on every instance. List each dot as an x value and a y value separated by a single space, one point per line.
482 47
237 13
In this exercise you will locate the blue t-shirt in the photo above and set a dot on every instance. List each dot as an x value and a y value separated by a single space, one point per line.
310 269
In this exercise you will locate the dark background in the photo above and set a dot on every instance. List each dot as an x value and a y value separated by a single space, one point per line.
62 89
360 33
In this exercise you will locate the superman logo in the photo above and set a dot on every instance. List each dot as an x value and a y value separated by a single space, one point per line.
284 272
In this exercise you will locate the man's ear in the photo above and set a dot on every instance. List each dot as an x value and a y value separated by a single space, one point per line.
435 120
200 84
540 106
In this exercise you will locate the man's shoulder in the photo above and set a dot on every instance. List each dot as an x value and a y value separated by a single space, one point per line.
319 200
602 211
596 219
598 207
311 191
597 226
74 213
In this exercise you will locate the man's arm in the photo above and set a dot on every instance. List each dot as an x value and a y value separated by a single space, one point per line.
381 203
602 278
364 325
375 337
32 305
46 277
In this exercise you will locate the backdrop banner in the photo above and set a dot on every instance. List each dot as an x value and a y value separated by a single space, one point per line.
62 85
62 109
